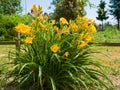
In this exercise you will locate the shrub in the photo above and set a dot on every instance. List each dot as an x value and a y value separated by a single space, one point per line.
57 58
8 22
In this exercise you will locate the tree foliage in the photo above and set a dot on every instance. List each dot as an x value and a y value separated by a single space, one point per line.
115 10
101 12
55 2
69 9
10 6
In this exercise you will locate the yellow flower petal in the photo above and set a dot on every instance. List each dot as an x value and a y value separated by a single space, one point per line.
92 29
41 25
56 29
54 48
28 40
34 7
66 54
23 29
82 45
63 21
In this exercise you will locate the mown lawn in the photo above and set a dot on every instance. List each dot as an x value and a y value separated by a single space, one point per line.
5 52
109 56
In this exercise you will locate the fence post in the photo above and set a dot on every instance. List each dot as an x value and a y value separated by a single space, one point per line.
17 44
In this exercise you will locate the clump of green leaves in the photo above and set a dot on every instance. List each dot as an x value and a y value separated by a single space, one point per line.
57 58
7 24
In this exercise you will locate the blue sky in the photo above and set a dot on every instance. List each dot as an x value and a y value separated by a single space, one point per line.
27 4
91 12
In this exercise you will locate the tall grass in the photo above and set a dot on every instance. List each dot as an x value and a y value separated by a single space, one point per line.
110 34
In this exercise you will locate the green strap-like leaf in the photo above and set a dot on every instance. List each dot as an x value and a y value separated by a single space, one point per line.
53 84
26 64
40 75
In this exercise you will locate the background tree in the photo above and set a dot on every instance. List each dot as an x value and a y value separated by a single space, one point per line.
101 12
55 2
69 9
10 6
115 10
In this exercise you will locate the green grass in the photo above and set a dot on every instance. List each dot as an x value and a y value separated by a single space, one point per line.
109 57
4 67
108 53
111 34
4 52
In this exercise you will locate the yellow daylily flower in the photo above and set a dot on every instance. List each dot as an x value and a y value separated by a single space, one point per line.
56 29
82 45
63 21
29 40
54 48
66 54
23 29
92 28
34 7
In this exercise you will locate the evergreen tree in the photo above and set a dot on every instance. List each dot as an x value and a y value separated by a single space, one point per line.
69 9
10 6
115 10
101 12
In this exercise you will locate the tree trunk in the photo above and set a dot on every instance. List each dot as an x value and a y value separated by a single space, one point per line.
102 25
118 27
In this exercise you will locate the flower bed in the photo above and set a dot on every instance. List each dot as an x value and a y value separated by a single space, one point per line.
56 57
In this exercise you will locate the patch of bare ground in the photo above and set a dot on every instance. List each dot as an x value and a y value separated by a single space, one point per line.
9 84
2 55
116 81
109 56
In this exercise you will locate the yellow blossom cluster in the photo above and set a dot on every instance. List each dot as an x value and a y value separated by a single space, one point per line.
84 27
80 30
23 29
